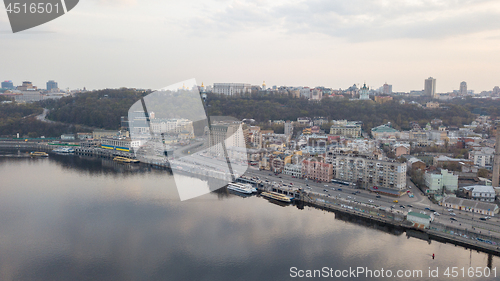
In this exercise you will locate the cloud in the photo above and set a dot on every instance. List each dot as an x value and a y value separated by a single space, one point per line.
356 20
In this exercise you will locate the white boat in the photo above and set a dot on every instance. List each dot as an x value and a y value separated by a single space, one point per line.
242 187
64 150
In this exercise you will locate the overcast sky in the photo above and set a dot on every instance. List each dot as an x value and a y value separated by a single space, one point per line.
332 43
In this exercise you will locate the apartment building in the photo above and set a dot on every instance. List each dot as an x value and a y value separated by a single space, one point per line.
315 170
229 132
368 171
351 129
482 157
436 181
294 170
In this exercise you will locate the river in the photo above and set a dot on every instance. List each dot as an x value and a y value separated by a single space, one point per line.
73 218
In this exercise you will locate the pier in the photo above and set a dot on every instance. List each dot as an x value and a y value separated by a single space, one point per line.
387 217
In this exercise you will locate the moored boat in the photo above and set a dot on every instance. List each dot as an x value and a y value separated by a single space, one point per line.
242 187
38 154
64 150
277 196
121 159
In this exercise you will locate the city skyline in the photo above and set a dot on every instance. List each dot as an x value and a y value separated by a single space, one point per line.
124 43
385 89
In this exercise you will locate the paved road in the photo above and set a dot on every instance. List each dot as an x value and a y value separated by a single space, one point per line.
42 117
419 203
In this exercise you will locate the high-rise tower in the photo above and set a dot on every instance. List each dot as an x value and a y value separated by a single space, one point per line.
430 87
463 88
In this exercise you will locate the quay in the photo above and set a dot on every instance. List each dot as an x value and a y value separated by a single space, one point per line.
384 217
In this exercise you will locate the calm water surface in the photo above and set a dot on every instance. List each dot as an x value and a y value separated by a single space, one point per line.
69 218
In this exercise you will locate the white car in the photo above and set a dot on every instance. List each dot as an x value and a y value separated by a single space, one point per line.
349 197
326 185
371 201
453 214
436 214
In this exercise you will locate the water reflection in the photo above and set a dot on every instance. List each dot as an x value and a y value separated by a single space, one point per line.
78 219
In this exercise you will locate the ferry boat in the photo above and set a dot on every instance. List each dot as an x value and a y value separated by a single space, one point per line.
125 160
277 196
38 154
64 150
241 187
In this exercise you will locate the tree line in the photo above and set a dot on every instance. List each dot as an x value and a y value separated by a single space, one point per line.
103 109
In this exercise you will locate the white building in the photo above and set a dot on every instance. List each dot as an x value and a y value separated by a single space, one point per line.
293 170
484 193
288 128
419 220
437 181
472 206
364 93
305 92
482 157
230 89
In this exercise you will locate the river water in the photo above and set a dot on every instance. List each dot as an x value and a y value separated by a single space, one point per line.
72 218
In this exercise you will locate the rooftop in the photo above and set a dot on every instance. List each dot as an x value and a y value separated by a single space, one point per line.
480 188
414 214
470 203
384 129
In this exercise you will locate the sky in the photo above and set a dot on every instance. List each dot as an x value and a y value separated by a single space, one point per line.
332 43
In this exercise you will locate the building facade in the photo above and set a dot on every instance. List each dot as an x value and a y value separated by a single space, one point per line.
351 129
438 180
7 85
120 144
288 128
294 170
430 87
364 93
368 171
483 157
52 85
385 132
230 89
463 88
468 205
485 193
315 170
231 133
